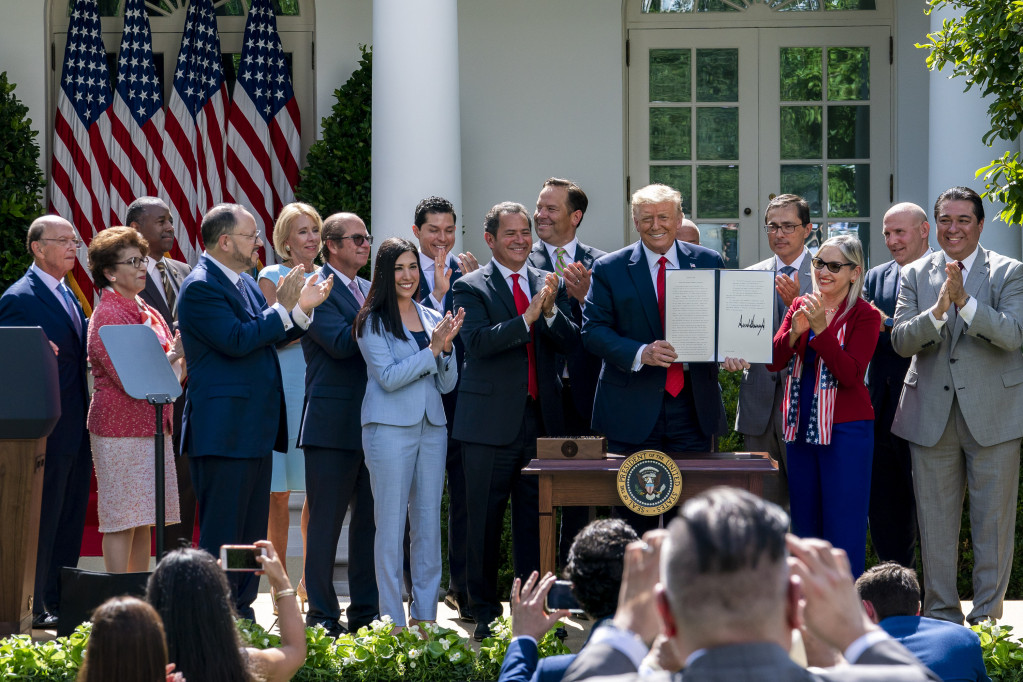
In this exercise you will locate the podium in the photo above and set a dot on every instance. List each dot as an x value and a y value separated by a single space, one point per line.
29 409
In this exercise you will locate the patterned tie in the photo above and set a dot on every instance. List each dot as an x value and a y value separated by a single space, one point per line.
353 286
521 303
560 263
168 289
676 379
71 307
245 296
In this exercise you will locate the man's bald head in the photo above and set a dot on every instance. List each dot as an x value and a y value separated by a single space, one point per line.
53 242
688 232
905 232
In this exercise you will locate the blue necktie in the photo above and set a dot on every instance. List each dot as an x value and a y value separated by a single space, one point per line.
72 308
245 296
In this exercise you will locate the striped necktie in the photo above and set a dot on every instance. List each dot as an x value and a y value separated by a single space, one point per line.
168 289
560 263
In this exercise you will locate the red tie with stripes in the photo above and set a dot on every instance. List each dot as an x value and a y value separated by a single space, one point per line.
676 378
521 303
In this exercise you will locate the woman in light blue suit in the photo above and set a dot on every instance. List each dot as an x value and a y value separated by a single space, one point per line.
408 356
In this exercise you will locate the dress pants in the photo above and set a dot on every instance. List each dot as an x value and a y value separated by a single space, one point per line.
829 488
234 505
893 527
940 476
406 469
492 476
66 478
677 429
335 481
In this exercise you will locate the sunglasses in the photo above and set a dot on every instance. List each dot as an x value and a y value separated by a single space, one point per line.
832 266
357 239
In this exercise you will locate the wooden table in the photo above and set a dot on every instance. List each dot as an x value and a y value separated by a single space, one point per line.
585 483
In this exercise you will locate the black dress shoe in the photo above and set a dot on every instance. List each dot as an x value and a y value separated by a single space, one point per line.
334 628
454 602
481 632
45 621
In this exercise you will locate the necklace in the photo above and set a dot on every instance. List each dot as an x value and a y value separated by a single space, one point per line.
831 311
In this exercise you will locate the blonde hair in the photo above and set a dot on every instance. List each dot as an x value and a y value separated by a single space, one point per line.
656 194
851 249
282 228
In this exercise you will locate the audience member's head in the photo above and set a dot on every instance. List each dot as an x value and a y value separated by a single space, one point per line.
905 230
689 232
126 644
595 563
724 571
294 215
383 292
889 589
106 249
190 592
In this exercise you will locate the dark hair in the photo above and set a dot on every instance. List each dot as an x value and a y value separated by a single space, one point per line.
139 207
126 644
191 594
493 218
218 221
382 301
106 248
433 205
595 563
892 589
577 200
960 194
333 229
802 208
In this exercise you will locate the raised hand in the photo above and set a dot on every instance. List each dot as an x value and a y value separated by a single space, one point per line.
456 326
314 294
441 277
529 616
440 335
467 263
787 287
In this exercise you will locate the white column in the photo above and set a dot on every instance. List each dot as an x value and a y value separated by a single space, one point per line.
416 130
958 121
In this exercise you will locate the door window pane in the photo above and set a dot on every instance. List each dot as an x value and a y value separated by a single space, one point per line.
717 133
671 136
670 75
717 191
800 133
848 132
848 73
858 229
723 238
849 4
801 78
848 190
717 75
806 181
679 177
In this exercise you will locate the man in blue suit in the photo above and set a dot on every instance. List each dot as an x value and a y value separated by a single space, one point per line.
234 405
891 598
434 228
893 526
41 299
331 435
644 400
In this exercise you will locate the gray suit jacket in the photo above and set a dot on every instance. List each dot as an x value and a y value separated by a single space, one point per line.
981 365
598 659
757 388
886 661
152 294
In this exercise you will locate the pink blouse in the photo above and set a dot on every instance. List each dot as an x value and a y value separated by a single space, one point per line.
113 413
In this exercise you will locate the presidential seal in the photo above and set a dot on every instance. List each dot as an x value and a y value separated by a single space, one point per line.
649 482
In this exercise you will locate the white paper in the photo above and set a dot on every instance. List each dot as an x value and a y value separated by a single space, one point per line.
689 314
746 315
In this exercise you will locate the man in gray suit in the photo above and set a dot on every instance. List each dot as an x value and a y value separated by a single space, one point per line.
758 417
960 317
731 584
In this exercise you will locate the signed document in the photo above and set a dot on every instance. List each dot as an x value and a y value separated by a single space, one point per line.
714 314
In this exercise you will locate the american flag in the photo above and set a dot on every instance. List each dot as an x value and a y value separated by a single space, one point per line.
193 168
80 167
136 149
263 128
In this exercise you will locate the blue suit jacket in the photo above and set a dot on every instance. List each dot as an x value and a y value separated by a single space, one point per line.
30 303
400 389
951 650
234 404
523 664
620 315
887 369
335 373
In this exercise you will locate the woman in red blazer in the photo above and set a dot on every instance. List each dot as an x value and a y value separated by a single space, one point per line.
827 339
122 428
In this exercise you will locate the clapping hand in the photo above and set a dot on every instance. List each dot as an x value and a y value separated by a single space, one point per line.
577 281
467 263
314 294
787 287
445 332
441 276
289 289
550 286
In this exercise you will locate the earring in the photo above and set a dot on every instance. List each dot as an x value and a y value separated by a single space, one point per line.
113 279
287 248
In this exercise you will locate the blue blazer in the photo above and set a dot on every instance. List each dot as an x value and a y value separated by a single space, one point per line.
400 388
335 373
950 650
30 303
887 369
620 315
523 664
234 404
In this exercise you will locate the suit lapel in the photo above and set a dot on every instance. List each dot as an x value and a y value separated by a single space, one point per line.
639 271
805 274
233 292
499 288
541 258
890 289
972 285
154 297
49 297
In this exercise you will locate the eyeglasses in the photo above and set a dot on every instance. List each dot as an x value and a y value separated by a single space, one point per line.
784 228
63 241
832 266
135 262
254 236
357 239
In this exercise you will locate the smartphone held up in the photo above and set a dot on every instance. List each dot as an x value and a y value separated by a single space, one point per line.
241 558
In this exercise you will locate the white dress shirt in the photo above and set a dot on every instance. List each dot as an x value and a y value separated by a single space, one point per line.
523 274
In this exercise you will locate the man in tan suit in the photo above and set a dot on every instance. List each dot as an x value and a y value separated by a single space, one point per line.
959 316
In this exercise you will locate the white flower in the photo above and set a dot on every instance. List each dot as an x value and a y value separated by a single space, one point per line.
412 664
455 657
445 644
413 653
266 641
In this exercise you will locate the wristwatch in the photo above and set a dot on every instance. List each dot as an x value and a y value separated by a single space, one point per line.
889 322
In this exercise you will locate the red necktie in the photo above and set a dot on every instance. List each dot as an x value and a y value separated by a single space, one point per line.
676 378
521 303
